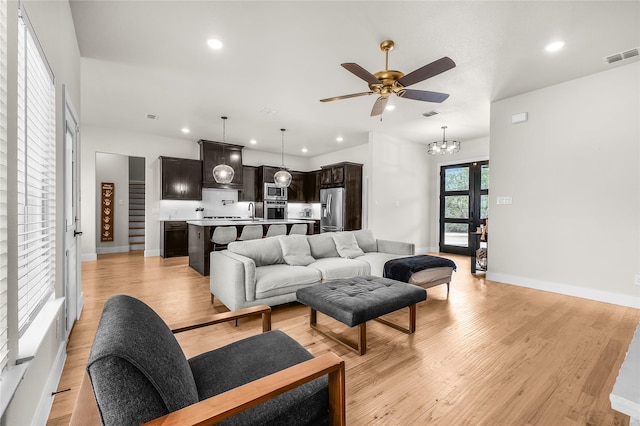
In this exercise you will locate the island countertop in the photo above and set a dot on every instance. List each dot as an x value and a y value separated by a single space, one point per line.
242 222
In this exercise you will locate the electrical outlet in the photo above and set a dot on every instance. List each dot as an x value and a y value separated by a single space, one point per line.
637 281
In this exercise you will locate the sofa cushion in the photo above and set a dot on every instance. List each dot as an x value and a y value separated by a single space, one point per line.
256 357
346 245
337 267
137 369
275 280
377 260
265 251
296 250
366 241
322 245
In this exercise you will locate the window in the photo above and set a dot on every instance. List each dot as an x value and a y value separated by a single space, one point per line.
36 177
4 352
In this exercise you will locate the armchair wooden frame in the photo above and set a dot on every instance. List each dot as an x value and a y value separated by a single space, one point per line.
227 404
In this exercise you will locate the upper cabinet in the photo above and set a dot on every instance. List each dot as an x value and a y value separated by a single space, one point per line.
333 175
295 193
214 153
181 178
249 187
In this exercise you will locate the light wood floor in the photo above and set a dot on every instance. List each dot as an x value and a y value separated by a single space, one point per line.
490 353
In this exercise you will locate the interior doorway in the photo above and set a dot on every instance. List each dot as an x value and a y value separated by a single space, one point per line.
464 204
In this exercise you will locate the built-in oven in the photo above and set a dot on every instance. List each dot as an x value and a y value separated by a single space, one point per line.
274 192
275 209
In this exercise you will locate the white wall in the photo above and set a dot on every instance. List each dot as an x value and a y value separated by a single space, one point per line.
573 173
53 25
113 168
398 188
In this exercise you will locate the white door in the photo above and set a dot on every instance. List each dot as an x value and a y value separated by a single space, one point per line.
73 300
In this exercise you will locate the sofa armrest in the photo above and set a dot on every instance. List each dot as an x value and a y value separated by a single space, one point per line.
232 278
396 247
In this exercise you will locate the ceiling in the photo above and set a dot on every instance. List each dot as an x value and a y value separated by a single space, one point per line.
280 58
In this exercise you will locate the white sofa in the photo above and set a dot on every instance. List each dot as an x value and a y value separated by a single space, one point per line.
270 270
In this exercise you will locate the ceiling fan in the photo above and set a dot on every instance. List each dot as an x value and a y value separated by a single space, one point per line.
387 82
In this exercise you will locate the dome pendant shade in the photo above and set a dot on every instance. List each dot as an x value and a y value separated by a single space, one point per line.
223 173
282 177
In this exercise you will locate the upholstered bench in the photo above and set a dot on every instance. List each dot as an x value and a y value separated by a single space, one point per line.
423 270
354 301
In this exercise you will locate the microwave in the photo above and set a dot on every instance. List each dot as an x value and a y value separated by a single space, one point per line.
274 192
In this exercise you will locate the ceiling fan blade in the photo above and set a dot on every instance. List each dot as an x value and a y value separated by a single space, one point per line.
423 95
361 72
378 107
353 95
427 71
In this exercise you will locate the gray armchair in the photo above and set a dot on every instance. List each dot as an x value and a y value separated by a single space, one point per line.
138 373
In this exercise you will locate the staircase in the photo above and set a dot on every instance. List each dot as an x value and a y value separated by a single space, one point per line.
136 215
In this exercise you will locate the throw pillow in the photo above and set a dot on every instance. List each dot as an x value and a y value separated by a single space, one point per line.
296 250
347 245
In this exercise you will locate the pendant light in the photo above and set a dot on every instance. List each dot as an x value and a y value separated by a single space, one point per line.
444 146
223 173
282 177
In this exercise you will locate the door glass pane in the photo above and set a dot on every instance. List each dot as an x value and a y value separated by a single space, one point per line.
456 234
456 207
484 176
484 206
456 179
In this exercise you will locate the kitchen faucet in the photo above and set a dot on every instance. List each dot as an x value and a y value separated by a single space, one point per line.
252 208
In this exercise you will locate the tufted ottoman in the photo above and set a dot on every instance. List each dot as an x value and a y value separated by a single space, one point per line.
354 301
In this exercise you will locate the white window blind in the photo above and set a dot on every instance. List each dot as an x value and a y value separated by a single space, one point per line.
4 350
36 177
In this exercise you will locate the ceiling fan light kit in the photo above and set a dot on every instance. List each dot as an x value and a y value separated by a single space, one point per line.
282 177
223 173
444 146
388 82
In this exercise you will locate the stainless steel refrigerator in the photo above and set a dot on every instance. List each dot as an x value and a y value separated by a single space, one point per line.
331 209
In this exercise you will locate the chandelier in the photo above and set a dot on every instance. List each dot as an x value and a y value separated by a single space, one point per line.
282 177
444 146
223 173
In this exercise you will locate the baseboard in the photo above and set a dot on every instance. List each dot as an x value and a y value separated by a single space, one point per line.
46 399
150 253
566 289
90 257
117 249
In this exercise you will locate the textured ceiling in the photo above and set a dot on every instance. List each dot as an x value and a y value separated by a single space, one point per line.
280 58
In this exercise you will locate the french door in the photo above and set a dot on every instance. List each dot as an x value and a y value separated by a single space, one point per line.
464 202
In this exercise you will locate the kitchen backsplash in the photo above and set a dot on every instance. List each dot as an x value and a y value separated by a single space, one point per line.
222 202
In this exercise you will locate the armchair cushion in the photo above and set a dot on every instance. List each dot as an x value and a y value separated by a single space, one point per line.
255 357
135 361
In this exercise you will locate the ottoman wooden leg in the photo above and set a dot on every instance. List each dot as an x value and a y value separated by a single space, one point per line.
360 347
412 321
362 338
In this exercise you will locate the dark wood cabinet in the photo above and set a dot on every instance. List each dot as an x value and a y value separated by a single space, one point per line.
200 247
249 186
174 239
348 176
333 175
180 178
295 193
312 186
214 153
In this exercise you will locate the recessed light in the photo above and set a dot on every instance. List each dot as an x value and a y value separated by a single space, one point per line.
185 130
555 46
214 43
304 150
253 141
390 107
339 139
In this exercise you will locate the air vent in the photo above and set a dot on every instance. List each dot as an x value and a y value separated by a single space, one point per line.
621 55
152 116
431 113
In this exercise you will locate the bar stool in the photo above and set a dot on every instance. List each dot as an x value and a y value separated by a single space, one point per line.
223 235
299 228
251 232
275 230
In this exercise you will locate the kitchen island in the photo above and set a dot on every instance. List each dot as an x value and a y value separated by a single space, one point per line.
200 245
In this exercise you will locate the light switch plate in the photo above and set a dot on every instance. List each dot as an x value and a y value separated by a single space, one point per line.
504 200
